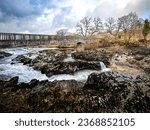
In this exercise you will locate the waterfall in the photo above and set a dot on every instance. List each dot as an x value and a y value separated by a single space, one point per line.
69 58
103 67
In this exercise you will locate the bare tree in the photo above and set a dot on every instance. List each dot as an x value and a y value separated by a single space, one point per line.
89 27
128 25
96 26
112 27
62 33
83 27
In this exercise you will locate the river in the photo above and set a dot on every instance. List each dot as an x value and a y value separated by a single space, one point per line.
26 73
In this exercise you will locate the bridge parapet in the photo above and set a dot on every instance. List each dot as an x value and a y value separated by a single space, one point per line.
25 37
19 39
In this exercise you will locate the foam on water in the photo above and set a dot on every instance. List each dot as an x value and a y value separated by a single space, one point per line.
79 76
69 58
26 73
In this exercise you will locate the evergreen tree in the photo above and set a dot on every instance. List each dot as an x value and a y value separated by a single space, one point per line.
146 29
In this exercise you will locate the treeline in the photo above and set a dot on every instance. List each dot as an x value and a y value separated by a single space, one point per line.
128 25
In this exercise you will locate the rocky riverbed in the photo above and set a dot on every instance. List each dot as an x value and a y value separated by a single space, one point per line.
52 62
116 90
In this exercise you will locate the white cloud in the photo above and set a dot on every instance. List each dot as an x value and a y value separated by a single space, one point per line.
66 14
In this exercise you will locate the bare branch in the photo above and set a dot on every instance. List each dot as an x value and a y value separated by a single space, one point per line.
87 26
97 26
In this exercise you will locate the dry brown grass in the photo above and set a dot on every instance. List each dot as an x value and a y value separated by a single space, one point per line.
91 46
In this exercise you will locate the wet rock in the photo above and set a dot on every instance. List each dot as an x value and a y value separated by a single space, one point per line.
33 83
103 92
51 62
147 59
22 85
60 67
70 67
23 59
2 84
103 56
11 83
4 54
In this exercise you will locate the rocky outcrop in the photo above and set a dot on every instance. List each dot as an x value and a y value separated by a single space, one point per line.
44 96
8 84
142 58
119 92
103 92
102 55
51 62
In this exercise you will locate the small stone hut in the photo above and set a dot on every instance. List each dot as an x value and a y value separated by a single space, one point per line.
80 47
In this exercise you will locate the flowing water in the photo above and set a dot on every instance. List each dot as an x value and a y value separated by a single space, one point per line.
69 58
103 67
26 73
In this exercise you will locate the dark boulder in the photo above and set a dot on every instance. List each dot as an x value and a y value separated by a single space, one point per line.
104 81
4 54
23 59
33 83
103 56
11 83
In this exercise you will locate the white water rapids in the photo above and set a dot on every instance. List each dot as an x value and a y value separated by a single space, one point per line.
26 73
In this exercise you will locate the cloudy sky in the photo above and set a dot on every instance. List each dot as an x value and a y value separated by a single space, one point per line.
47 16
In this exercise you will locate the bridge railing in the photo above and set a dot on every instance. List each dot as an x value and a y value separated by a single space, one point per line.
40 37
24 37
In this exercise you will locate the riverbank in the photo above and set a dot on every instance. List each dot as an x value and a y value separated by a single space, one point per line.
68 81
103 92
